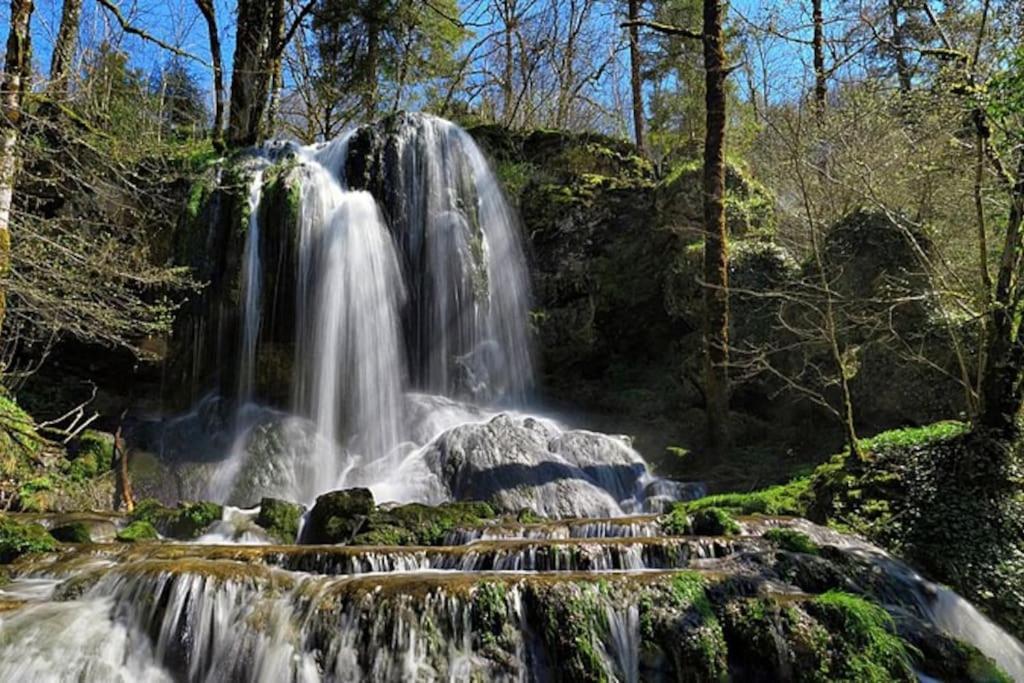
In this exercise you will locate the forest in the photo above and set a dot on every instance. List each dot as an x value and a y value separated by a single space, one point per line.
526 340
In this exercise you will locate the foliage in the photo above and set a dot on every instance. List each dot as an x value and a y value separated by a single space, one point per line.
20 444
17 539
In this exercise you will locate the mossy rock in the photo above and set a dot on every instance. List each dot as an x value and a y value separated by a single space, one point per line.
792 540
186 522
89 456
75 532
139 530
713 522
417 524
832 637
17 539
280 518
338 516
945 499
750 206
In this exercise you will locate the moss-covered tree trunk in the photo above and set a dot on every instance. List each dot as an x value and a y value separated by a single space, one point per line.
716 259
17 63
635 80
64 48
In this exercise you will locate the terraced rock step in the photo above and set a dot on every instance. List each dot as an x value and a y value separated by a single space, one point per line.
780 600
602 554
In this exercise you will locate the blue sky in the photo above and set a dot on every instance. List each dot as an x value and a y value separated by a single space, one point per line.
178 22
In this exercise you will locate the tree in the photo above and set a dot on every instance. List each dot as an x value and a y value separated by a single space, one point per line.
256 45
182 111
716 256
818 46
635 79
373 53
65 48
17 62
716 245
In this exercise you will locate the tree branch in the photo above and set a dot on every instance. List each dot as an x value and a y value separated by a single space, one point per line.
129 28
667 29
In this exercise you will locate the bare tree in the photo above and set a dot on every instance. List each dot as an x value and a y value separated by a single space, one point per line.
206 8
17 62
635 79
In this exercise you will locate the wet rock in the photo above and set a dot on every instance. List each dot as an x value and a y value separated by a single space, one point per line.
518 463
280 518
338 516
75 532
186 522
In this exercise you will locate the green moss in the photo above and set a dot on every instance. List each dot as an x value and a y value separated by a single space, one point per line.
192 519
792 540
90 455
574 626
137 531
713 521
280 518
18 539
490 616
75 532
34 494
676 522
785 499
865 645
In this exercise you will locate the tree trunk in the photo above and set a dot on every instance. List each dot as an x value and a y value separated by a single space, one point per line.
507 87
372 59
65 48
635 81
716 271
250 77
206 7
898 34
17 63
1002 390
818 42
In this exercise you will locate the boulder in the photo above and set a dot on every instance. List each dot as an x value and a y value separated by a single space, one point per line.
280 518
338 516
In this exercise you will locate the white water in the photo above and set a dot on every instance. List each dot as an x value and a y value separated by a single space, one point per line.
252 292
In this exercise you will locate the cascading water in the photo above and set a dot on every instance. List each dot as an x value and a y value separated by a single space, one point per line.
252 288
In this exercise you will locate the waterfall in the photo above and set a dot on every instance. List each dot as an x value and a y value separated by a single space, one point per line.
356 364
414 279
470 293
252 291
